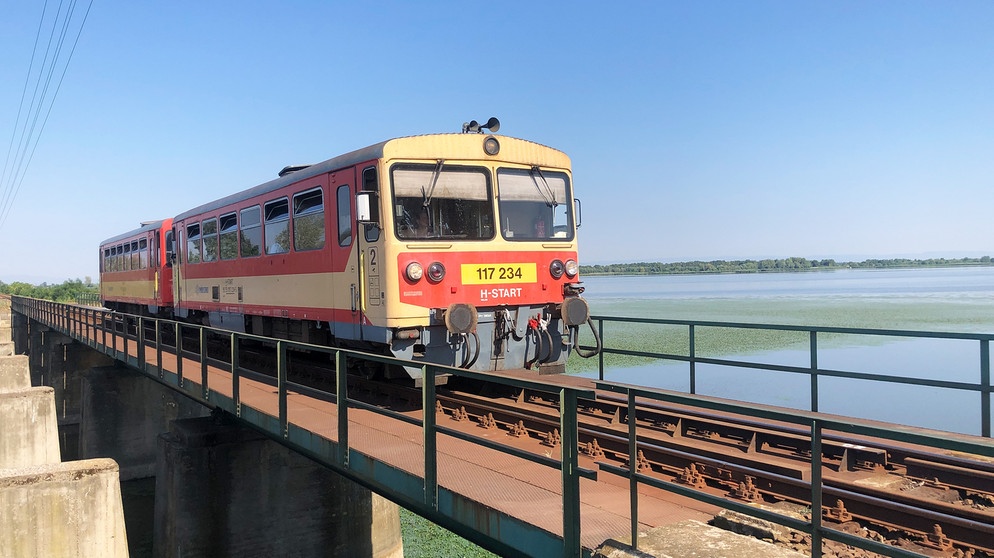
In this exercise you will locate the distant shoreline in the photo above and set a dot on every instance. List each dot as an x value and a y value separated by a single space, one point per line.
787 265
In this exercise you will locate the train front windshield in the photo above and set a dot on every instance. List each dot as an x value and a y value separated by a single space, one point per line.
451 202
534 204
455 203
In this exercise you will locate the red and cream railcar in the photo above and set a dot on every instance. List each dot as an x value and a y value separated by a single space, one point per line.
463 253
135 274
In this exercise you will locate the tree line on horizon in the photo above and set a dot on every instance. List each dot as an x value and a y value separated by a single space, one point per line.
68 291
770 265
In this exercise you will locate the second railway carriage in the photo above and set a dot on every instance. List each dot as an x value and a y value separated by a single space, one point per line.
135 274
457 249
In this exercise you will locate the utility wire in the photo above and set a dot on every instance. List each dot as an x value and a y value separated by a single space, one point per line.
10 183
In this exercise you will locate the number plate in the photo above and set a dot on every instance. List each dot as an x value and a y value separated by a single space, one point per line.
483 274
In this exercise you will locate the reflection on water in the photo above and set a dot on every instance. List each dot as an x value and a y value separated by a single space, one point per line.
939 359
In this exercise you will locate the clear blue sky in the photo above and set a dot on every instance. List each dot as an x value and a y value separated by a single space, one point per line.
697 130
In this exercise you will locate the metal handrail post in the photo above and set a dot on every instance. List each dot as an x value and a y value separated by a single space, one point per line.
141 345
813 348
568 422
342 399
985 387
179 353
204 388
816 495
600 354
281 387
633 483
236 397
693 360
158 347
430 437
124 335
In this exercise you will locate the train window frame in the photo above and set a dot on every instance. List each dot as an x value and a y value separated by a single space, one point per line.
193 250
308 220
343 199
251 232
529 208
126 260
227 232
135 261
468 217
371 183
208 235
143 254
278 221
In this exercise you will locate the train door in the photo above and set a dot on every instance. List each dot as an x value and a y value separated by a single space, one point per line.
179 252
370 255
348 288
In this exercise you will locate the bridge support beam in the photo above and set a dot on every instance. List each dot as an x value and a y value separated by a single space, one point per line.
123 413
295 507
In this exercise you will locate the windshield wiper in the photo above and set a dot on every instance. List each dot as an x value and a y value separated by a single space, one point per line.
435 174
427 195
548 194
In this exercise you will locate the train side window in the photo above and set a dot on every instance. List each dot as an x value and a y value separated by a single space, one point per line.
193 243
344 216
370 183
135 263
229 236
308 220
120 257
277 226
143 254
250 235
105 263
127 256
208 231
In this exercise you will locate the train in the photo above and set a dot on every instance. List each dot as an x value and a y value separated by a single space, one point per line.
456 249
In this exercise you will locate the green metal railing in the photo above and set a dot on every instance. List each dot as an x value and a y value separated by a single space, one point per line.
816 423
87 325
982 387
88 299
104 330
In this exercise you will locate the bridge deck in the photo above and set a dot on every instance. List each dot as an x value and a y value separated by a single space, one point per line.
491 481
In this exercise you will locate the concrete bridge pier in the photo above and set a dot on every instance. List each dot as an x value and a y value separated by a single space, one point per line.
48 364
7 347
49 508
225 490
124 412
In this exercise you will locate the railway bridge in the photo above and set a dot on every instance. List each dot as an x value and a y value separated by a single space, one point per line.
264 446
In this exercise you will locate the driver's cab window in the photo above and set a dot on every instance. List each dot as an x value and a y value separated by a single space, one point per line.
442 202
534 204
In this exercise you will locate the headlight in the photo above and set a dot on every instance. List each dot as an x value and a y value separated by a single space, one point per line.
491 146
572 268
436 272
556 269
415 272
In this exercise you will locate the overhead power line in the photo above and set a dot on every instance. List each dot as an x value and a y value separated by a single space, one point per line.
33 112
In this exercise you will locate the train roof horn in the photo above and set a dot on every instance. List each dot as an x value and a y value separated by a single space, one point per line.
475 127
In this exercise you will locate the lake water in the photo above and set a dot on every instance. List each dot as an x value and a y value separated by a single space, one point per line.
957 299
